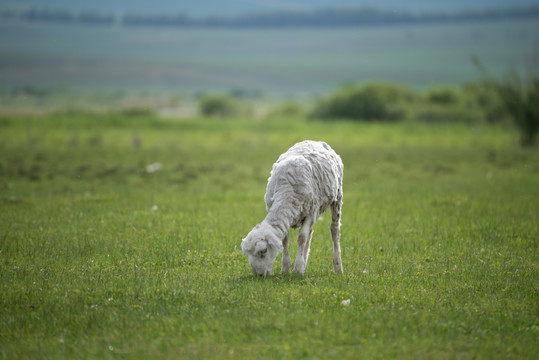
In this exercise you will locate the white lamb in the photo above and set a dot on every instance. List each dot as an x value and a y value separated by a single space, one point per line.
304 181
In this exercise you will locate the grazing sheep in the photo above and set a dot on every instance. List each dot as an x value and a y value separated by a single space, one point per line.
304 181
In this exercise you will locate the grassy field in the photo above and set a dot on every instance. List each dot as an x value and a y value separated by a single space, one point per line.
274 61
104 256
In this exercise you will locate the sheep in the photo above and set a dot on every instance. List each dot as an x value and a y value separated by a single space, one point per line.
304 182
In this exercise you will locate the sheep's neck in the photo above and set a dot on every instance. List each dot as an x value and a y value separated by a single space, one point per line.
280 223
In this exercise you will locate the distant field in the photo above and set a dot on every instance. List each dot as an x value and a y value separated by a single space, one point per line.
104 257
306 61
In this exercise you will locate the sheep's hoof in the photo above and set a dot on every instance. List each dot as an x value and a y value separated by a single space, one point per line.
337 265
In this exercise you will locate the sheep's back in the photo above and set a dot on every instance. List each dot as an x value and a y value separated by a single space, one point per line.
308 178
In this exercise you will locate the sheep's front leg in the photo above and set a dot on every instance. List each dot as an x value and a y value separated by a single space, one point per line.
336 236
286 263
304 243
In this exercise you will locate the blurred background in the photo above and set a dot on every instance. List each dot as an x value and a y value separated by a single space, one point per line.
168 54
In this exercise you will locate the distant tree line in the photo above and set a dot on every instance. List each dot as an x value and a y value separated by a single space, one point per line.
318 18
59 17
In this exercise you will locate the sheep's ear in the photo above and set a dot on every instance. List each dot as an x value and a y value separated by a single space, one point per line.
274 242
246 245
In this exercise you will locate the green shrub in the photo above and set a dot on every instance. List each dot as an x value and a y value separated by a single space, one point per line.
485 96
522 103
443 96
373 102
520 99
221 106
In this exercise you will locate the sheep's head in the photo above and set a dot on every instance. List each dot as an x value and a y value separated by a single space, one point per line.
261 247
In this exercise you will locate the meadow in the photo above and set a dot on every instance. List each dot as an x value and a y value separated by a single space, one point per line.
120 238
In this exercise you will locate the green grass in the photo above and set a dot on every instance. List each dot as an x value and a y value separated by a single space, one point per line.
439 242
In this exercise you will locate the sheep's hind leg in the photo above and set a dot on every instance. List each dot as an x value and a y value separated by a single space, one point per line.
336 236
286 263
304 242
308 246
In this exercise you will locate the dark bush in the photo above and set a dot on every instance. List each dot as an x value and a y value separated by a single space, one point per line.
443 96
522 103
221 106
486 97
374 102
